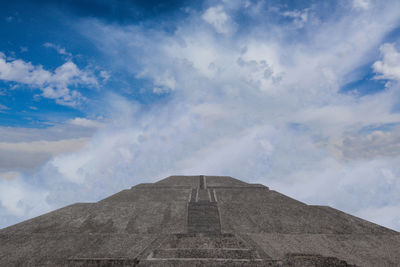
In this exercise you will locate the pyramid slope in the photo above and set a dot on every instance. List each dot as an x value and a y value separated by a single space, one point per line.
197 220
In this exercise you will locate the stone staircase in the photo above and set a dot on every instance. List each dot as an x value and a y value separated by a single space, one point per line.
203 244
203 217
203 214
203 247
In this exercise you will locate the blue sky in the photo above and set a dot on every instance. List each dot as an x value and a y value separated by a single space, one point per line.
302 96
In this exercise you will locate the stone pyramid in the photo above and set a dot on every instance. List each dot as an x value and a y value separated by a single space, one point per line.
198 221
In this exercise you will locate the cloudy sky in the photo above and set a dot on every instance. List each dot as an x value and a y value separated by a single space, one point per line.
302 96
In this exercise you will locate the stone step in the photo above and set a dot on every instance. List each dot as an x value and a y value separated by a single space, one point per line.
204 208
203 203
204 241
204 213
203 221
203 224
198 216
97 262
198 228
207 263
203 229
203 217
212 213
213 253
203 195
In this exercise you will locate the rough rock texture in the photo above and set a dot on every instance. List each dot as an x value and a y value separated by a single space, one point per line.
198 221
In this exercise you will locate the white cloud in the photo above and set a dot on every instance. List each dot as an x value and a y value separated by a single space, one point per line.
83 122
160 90
219 19
165 82
300 17
389 66
361 4
54 85
59 49
105 75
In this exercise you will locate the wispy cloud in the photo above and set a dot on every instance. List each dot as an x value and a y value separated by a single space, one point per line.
83 122
59 49
3 107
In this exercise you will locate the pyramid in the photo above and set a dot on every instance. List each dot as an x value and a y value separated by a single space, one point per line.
198 221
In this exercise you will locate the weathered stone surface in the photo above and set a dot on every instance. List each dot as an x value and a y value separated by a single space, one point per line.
198 221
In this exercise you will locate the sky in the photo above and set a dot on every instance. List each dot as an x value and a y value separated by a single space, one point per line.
301 96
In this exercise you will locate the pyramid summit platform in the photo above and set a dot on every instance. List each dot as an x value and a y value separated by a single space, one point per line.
198 221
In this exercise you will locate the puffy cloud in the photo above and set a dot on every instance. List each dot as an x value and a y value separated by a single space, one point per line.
219 19
389 66
54 85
